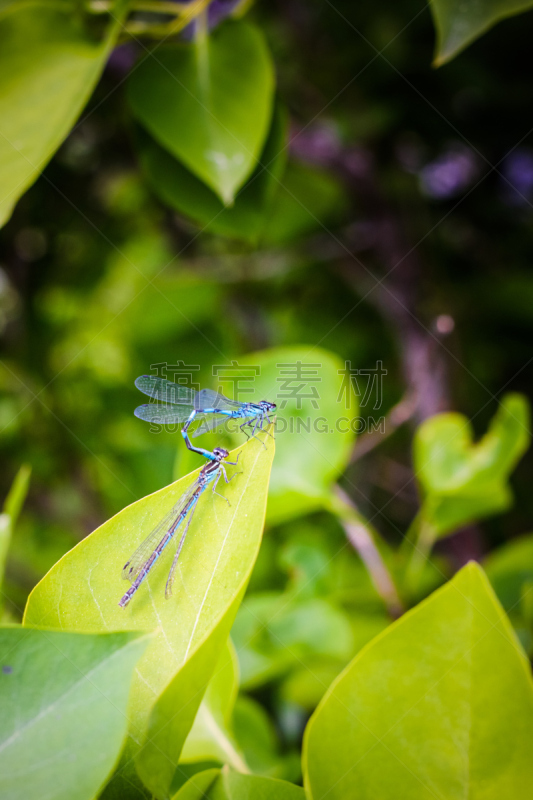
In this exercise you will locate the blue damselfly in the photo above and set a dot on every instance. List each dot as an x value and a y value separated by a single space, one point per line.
179 404
139 565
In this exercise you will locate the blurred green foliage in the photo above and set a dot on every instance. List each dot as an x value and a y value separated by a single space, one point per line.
381 212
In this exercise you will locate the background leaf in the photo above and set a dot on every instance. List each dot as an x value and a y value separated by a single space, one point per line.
10 513
439 705
463 481
508 568
83 590
308 199
180 189
197 786
274 632
202 106
42 96
510 571
230 785
311 451
257 738
460 22
64 706
210 736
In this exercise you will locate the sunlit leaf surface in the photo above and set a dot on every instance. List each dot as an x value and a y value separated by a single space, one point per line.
82 592
64 710
440 704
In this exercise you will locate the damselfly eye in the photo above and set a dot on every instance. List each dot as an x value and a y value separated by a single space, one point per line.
220 452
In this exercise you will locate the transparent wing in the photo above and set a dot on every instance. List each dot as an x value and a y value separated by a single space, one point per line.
134 565
165 391
170 579
163 413
207 398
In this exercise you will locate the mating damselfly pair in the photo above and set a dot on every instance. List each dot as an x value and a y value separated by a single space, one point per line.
183 405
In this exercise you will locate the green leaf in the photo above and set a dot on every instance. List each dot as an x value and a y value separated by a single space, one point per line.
510 567
82 592
439 705
306 687
43 95
209 103
7 6
311 449
10 512
210 737
230 785
318 563
460 22
197 787
17 494
307 200
274 632
180 189
463 481
64 710
510 571
256 735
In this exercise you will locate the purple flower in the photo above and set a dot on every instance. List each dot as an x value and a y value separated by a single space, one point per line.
449 174
123 58
317 144
517 175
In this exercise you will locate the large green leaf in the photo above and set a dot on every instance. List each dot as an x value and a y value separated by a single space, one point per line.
82 591
439 705
226 784
209 103
460 22
210 737
64 710
49 65
463 481
180 189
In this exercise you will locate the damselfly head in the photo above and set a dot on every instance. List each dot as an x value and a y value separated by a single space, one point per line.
267 406
220 453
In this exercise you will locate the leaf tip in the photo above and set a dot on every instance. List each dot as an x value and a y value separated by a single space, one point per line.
228 198
472 574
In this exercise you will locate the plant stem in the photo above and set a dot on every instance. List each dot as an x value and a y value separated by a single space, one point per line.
362 538
150 6
398 415
186 14
421 537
